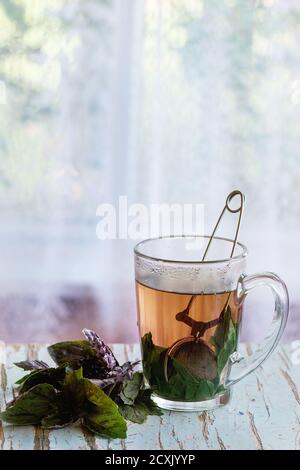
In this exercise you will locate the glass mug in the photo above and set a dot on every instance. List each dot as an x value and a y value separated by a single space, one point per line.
189 318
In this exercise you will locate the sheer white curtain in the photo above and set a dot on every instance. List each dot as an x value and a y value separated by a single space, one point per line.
70 98
162 101
221 110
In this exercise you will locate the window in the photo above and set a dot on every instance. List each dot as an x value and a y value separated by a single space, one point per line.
173 101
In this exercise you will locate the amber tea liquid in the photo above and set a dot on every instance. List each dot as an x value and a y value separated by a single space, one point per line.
185 354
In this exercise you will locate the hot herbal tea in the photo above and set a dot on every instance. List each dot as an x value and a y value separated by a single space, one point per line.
189 313
187 341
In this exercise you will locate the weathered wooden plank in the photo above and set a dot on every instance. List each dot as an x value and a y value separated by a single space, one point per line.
261 411
14 437
264 413
278 390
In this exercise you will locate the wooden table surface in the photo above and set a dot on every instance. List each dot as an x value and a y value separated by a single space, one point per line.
264 412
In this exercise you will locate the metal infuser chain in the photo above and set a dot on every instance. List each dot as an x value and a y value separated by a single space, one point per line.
198 328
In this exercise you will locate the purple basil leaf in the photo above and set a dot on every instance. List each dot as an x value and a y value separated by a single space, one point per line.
31 365
103 351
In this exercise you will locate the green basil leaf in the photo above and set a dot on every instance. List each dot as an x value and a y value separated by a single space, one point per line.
131 388
225 340
137 413
58 419
152 408
73 393
103 416
31 406
76 354
153 360
229 347
67 352
141 409
221 331
83 399
52 376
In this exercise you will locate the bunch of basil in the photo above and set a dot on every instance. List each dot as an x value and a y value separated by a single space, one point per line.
88 385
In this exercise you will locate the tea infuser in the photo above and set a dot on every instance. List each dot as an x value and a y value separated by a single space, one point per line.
183 348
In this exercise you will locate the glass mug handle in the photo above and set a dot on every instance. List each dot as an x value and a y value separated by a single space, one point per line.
242 366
